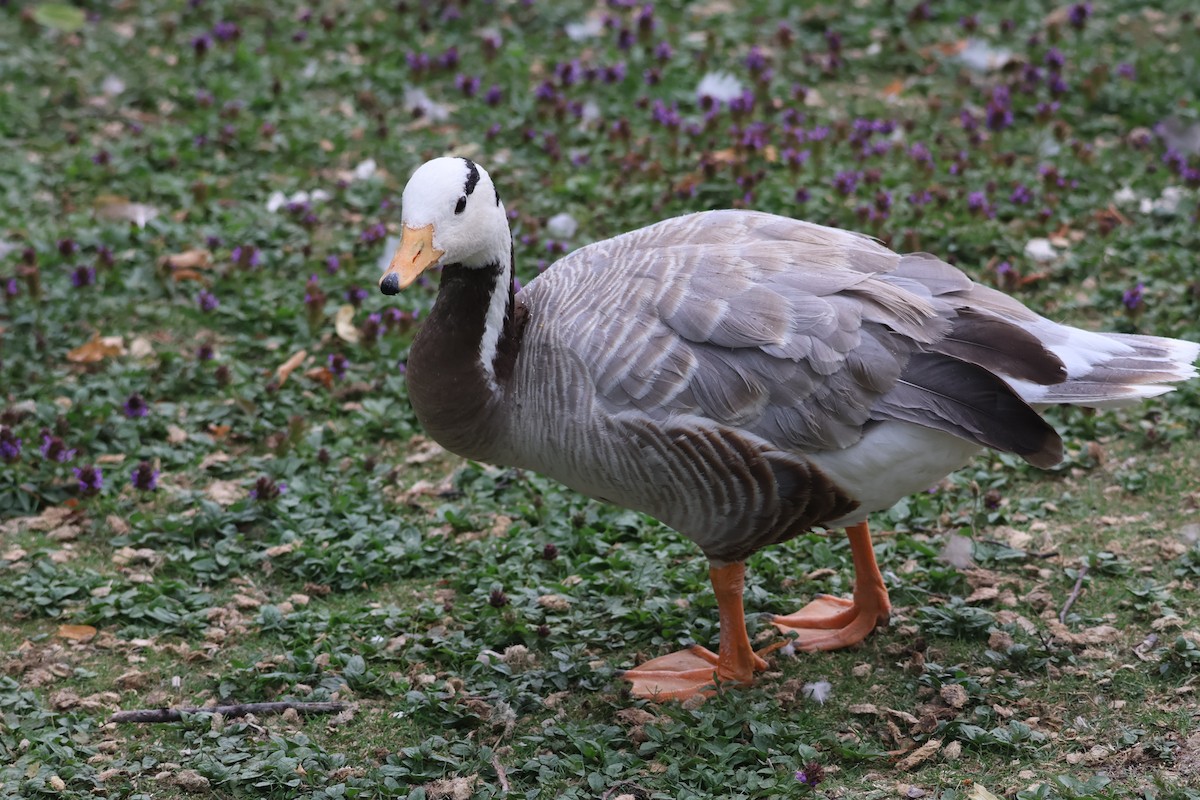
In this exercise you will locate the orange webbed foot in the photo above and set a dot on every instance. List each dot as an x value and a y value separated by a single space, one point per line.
694 672
684 674
830 623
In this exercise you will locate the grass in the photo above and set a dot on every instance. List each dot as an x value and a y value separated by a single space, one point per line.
476 617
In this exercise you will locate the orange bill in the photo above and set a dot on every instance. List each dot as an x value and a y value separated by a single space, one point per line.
415 255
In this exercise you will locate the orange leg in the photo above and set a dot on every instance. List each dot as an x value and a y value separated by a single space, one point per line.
829 623
696 670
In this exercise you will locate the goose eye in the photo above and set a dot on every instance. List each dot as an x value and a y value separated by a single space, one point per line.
462 205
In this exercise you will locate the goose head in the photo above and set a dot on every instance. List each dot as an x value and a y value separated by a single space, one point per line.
451 214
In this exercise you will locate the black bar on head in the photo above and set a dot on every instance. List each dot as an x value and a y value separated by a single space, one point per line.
472 177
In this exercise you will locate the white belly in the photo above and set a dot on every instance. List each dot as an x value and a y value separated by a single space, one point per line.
890 462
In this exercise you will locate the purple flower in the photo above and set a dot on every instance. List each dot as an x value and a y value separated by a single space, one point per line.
977 203
614 73
921 198
1021 195
67 247
247 256
207 300
743 103
667 116
999 109
812 774
53 449
370 328
467 84
663 51
373 233
337 365
1132 298
920 154
135 406
493 96
12 288
418 62
10 446
1055 59
83 276
756 61
802 196
846 181
1078 15
793 157
201 44
355 295
1046 110
90 479
1127 71
225 31
332 264
266 489
144 477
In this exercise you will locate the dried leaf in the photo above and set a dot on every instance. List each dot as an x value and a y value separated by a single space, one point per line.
188 259
894 88
121 209
321 375
189 275
954 695
214 458
176 434
979 793
225 492
920 755
984 593
64 533
343 323
286 368
552 602
96 349
76 633
452 788
282 549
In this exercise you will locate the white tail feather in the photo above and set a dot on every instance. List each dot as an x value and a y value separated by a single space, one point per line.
1108 370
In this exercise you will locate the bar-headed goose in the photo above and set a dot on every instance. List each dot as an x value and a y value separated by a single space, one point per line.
742 377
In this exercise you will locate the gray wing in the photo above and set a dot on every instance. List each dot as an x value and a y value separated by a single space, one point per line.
795 333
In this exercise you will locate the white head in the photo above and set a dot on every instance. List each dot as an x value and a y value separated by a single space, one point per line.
451 215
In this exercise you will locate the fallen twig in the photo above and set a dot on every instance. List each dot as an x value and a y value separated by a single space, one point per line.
501 773
1062 615
143 715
